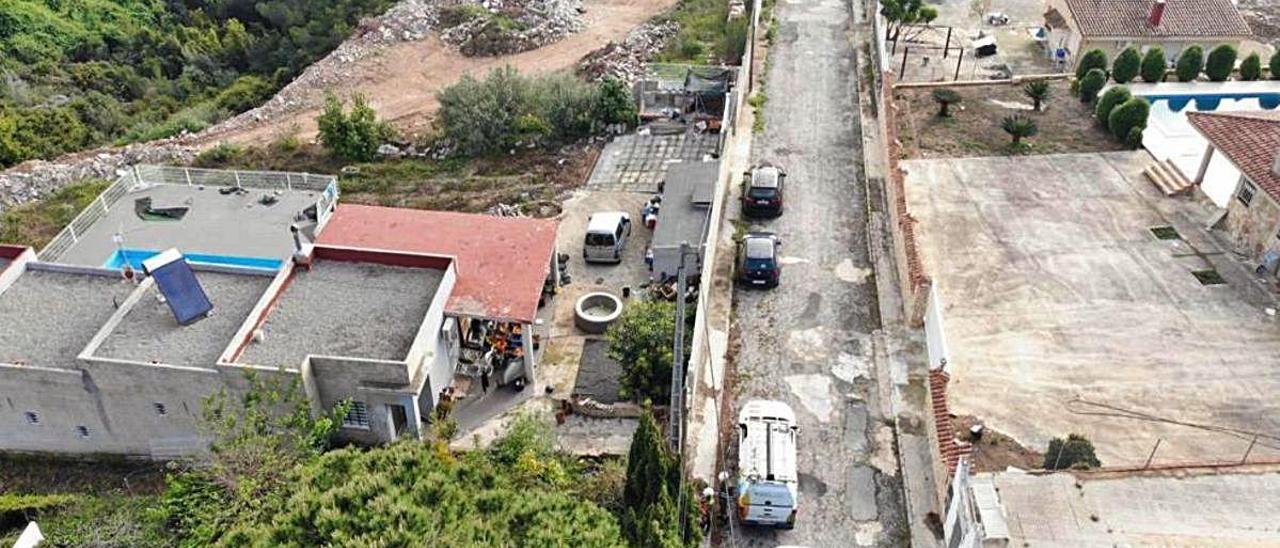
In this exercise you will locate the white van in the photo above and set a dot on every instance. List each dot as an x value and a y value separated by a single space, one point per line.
768 490
607 234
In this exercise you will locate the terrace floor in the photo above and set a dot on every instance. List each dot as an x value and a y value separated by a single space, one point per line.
1054 290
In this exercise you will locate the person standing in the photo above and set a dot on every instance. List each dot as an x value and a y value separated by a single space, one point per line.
485 370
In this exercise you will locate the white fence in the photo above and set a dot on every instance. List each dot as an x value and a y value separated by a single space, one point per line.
169 175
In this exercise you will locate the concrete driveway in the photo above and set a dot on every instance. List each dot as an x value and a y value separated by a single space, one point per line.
808 342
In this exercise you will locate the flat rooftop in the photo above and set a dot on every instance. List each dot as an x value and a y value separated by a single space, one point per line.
234 224
501 262
358 310
1054 288
47 318
686 202
148 333
1059 510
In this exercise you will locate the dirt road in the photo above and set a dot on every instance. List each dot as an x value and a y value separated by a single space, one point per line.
402 81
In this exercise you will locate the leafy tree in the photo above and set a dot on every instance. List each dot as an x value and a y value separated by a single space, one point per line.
1190 63
641 341
1075 451
1093 59
353 136
1038 91
615 104
479 116
652 517
1018 127
1129 115
1127 66
945 97
1153 66
1091 84
1273 65
1113 98
1222 60
1251 67
901 13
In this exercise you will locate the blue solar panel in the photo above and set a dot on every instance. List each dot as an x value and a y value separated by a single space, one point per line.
177 282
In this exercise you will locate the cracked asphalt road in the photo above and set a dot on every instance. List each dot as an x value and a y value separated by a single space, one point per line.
809 342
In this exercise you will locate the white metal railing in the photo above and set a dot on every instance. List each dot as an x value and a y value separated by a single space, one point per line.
172 175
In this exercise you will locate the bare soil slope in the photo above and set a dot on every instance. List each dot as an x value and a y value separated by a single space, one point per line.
402 82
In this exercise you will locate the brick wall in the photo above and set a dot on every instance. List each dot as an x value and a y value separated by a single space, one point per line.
915 283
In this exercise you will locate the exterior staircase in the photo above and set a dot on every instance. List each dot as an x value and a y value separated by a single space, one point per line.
1168 178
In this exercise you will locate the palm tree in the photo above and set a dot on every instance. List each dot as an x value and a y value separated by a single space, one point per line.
1018 126
1038 91
946 97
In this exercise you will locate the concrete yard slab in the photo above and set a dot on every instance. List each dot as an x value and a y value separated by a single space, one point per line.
148 333
1054 290
337 308
219 224
47 318
637 163
1060 510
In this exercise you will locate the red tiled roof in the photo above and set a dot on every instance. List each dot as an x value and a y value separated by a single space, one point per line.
952 450
1250 140
1128 18
502 262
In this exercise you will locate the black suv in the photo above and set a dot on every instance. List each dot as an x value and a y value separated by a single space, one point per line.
762 196
758 260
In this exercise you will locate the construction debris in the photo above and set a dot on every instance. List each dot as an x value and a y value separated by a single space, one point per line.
627 61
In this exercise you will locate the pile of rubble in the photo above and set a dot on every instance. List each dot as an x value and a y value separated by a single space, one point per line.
37 178
514 26
626 61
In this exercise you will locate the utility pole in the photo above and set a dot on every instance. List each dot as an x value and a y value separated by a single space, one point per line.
677 368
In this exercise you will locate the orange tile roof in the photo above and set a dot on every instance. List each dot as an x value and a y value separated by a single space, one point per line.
1128 18
1250 140
502 262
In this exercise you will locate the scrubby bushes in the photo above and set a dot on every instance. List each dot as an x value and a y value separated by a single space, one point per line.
507 109
1251 67
1190 63
1127 66
1273 66
1153 66
1222 60
1075 451
353 136
1091 84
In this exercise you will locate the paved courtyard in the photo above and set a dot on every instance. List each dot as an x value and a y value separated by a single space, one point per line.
1063 312
637 163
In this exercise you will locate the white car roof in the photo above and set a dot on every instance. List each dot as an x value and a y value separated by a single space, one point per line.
605 221
761 409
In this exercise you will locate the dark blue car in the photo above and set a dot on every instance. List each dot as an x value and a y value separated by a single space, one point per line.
758 260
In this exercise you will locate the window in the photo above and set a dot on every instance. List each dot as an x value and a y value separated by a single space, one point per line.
33 417
357 416
1247 190
160 409
83 431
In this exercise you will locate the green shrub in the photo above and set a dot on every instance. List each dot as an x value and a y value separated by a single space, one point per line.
1091 84
1153 66
245 93
1134 139
190 120
1222 60
615 105
1038 91
220 155
1093 59
1190 63
1273 66
640 341
1130 114
945 97
355 136
1113 98
17 510
1074 452
1127 66
1018 127
733 43
1251 67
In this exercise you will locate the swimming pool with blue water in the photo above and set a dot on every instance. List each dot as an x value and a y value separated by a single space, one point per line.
1208 102
134 258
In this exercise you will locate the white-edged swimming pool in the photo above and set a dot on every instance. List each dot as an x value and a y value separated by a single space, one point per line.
1169 136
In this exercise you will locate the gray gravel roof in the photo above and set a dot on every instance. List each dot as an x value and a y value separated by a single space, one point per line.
47 318
355 310
148 332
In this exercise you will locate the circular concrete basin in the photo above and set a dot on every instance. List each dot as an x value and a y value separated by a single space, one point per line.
595 311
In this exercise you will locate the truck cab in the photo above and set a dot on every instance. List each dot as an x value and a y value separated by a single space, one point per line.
767 487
